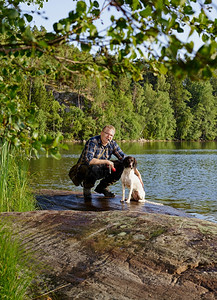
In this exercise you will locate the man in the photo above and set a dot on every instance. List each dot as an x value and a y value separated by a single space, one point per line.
95 163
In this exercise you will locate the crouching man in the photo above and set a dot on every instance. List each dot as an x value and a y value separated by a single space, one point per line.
95 163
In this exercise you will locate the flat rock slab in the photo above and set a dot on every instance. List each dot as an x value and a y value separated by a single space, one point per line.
69 200
119 255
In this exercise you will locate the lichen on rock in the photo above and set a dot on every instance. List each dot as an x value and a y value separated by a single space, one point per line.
122 254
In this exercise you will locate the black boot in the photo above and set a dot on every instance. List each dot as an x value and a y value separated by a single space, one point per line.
104 190
87 193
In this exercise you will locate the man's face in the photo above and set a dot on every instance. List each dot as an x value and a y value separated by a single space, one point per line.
107 135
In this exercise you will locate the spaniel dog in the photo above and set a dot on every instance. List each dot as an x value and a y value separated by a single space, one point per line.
131 181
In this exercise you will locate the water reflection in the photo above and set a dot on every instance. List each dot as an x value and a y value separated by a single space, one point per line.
182 175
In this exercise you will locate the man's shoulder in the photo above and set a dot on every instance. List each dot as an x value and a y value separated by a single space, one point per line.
95 139
113 143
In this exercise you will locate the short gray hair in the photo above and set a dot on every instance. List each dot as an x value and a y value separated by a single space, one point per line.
109 127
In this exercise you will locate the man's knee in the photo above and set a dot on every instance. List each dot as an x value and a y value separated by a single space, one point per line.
113 176
92 174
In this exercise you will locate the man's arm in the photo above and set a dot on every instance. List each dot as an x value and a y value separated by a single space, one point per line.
96 161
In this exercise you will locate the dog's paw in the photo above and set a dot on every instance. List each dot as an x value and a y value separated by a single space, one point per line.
142 201
122 200
128 201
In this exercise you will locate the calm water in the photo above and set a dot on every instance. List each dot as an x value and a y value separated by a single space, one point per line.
181 175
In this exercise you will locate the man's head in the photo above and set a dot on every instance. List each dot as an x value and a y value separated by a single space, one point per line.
107 134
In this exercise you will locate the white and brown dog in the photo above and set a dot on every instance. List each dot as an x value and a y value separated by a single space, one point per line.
131 181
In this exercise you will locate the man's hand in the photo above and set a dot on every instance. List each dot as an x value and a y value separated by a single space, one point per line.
96 161
110 164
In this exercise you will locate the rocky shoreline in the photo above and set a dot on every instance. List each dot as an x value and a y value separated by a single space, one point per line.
126 255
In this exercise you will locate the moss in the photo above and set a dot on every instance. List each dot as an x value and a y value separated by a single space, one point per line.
207 230
122 235
157 232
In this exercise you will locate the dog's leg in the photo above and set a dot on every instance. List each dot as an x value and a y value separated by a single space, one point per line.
123 193
130 194
142 199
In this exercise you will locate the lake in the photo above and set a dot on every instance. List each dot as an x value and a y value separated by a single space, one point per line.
178 174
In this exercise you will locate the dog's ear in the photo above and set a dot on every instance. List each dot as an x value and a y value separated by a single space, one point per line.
135 163
124 161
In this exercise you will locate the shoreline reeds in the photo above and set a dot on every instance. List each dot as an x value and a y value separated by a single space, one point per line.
15 192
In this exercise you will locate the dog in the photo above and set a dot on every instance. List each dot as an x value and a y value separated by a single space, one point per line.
131 181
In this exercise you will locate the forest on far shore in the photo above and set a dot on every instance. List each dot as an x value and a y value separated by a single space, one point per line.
159 107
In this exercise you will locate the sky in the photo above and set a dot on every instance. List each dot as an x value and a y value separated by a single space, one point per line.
54 10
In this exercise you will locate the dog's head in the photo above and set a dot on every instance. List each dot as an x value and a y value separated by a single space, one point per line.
130 162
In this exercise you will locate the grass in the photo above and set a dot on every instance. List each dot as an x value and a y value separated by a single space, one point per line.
15 272
15 193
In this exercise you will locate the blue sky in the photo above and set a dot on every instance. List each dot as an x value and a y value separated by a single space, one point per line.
53 9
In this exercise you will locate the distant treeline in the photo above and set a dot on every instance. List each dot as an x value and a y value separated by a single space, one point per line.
157 108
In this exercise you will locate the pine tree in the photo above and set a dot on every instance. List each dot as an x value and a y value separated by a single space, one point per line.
204 110
180 98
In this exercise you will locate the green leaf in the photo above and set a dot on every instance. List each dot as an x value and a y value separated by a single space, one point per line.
16 141
29 34
190 46
163 69
67 27
21 24
42 44
207 73
16 127
86 47
188 10
37 145
57 27
57 140
180 30
64 146
12 13
55 154
35 134
159 4
146 12
205 37
121 23
81 7
73 16
95 4
112 18
204 50
96 12
93 30
139 38
28 17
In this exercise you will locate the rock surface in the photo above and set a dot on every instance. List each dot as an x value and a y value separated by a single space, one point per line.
70 200
123 255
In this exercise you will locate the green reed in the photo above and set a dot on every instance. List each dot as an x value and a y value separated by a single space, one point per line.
15 272
15 193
